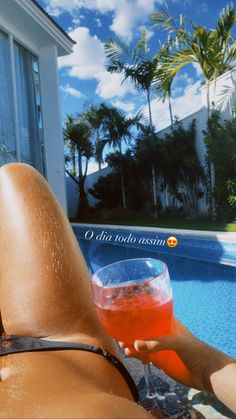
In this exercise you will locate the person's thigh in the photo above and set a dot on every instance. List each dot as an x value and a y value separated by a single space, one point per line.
44 281
45 292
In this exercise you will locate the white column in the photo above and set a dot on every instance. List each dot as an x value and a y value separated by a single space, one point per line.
52 123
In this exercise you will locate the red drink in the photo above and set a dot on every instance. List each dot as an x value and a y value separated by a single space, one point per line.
141 316
135 315
133 299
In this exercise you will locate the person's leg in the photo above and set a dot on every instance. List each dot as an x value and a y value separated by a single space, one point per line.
45 292
44 282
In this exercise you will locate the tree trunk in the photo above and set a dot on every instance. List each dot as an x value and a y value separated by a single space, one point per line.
154 186
208 97
212 167
123 190
149 111
72 177
82 202
73 160
170 111
97 142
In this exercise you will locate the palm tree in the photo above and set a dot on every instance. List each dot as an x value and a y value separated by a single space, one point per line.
94 118
163 83
117 128
78 133
214 51
136 64
70 146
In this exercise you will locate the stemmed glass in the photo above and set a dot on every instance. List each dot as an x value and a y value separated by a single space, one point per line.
133 300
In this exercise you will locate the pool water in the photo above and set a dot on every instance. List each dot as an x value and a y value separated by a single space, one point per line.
204 292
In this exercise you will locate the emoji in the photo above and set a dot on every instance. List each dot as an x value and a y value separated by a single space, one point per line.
6 343
172 241
5 336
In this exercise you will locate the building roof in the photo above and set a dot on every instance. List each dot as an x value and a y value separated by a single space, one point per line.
52 20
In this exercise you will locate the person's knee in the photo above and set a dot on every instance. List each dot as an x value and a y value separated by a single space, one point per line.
20 174
16 169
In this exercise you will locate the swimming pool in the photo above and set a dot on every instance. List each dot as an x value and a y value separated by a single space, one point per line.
202 272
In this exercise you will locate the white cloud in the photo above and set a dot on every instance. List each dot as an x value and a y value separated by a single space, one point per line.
76 21
182 106
181 81
198 69
110 85
56 7
88 62
67 89
127 14
98 22
93 166
127 107
88 57
202 7
176 91
149 32
182 77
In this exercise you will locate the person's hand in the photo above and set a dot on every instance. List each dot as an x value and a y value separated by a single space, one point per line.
181 355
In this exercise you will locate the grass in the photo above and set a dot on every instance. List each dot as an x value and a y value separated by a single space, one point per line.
175 223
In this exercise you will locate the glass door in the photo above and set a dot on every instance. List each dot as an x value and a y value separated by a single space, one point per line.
29 107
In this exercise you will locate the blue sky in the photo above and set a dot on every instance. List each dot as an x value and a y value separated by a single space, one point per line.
83 76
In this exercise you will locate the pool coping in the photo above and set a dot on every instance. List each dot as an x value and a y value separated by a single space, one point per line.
203 234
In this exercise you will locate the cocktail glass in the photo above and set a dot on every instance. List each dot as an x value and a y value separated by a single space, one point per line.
134 300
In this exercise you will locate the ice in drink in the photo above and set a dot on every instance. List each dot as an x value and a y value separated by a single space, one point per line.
130 314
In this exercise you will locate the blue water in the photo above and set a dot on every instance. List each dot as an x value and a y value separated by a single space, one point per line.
204 292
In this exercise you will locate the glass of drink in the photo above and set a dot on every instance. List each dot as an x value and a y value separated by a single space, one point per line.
134 300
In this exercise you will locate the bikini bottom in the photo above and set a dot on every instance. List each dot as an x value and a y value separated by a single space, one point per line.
15 344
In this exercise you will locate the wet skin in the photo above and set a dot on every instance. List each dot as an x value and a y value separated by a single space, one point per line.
45 292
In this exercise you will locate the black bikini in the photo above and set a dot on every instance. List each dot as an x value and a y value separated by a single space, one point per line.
15 344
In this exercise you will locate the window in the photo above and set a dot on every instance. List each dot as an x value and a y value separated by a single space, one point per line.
7 117
21 136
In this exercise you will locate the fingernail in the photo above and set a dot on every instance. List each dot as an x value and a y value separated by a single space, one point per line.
121 344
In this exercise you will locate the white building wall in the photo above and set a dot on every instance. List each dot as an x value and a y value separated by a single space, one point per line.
52 123
73 191
10 27
30 27
223 94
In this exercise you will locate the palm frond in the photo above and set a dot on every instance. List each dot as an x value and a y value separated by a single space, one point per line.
117 50
226 21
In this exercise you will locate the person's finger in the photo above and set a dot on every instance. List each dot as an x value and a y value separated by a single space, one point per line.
122 345
146 345
131 352
160 343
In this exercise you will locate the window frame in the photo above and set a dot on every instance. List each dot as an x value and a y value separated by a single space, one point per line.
11 39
